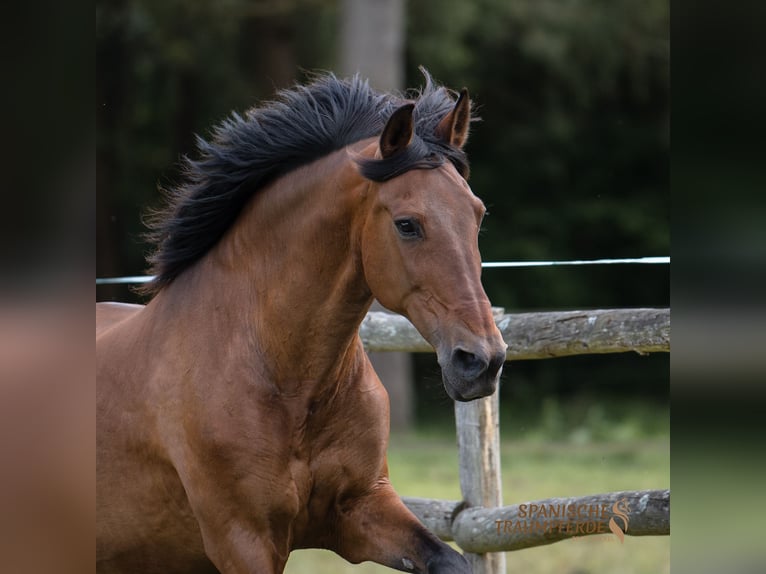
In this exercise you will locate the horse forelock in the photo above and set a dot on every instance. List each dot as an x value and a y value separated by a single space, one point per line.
303 124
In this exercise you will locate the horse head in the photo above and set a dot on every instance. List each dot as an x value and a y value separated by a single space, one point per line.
420 249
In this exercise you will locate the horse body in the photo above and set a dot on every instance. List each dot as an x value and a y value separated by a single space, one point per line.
238 414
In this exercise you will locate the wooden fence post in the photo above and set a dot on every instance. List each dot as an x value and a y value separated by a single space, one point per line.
478 438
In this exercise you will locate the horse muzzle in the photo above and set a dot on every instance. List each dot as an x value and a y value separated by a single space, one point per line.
470 374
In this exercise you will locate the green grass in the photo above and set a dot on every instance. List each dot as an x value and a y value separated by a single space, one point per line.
425 465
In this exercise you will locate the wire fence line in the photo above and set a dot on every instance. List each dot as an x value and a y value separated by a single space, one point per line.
640 260
131 279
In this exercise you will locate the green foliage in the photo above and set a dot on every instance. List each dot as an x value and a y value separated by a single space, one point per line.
583 419
589 419
574 400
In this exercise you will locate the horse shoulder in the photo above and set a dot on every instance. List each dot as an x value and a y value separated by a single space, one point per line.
353 440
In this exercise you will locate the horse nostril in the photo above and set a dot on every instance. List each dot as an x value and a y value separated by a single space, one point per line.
495 364
469 365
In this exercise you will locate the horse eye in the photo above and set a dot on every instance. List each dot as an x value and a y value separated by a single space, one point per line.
408 228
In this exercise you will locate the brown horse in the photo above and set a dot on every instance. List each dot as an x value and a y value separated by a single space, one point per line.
238 415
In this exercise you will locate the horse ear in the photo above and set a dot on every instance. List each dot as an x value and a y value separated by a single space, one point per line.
453 128
398 131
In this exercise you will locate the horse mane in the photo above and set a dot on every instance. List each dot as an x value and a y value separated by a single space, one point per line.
301 125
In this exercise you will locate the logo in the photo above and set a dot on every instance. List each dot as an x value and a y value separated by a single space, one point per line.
572 520
620 509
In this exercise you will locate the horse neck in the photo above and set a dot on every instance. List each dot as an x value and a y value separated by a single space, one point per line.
287 279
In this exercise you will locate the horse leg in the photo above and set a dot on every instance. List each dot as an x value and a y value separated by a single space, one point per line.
237 538
378 527
235 548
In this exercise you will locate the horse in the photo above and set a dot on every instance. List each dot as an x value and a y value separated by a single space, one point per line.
238 416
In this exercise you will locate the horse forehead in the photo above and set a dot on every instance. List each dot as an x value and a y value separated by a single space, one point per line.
438 186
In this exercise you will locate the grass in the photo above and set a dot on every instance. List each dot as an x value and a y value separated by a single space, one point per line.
425 465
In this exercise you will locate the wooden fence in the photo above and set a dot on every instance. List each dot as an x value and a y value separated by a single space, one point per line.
480 524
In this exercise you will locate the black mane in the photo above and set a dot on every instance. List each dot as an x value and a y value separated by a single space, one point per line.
301 125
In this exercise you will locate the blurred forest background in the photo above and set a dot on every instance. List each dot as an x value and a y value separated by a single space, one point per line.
571 157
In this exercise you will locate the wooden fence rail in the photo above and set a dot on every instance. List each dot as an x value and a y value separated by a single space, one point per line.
506 528
542 335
